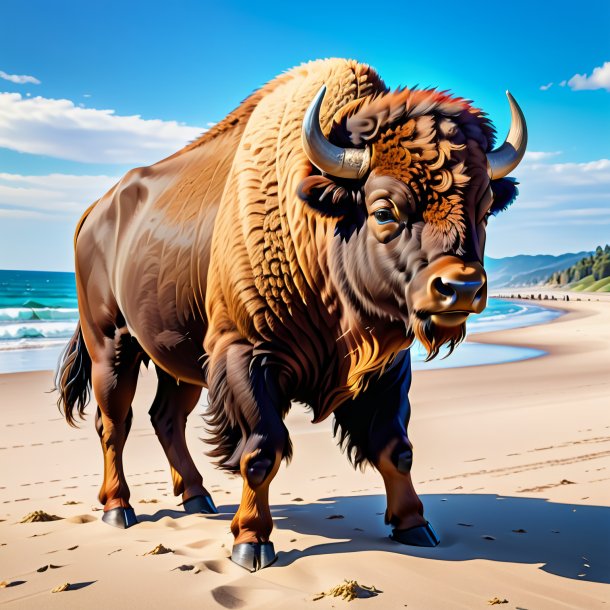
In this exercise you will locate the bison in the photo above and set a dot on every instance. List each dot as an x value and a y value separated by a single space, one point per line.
293 252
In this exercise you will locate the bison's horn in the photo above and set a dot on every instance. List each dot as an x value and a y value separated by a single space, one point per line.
503 160
339 162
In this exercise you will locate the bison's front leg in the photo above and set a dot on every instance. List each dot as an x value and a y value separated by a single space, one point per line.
392 454
252 523
252 400
405 511
374 428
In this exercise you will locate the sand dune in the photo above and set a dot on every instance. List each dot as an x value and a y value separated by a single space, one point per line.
512 462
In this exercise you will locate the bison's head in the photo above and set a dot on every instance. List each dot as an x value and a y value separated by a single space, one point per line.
412 181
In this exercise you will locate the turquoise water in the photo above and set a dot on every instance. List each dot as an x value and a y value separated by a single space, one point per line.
498 315
37 308
38 314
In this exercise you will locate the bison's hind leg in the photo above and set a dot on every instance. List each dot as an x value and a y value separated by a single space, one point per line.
172 405
114 374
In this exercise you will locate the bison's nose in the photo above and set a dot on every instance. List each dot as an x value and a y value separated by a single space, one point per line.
449 289
461 289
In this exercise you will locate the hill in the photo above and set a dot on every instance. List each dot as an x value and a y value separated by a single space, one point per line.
590 273
527 270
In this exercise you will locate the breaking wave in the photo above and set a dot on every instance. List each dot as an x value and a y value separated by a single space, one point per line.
10 333
11 314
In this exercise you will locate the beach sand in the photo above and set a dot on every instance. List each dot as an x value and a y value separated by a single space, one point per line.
512 462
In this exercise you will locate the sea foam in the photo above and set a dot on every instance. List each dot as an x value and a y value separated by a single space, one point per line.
36 330
10 314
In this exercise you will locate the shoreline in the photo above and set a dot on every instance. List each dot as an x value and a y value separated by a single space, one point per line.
471 354
571 311
567 313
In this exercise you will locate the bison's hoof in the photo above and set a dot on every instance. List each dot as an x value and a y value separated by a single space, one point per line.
200 504
120 517
421 535
253 555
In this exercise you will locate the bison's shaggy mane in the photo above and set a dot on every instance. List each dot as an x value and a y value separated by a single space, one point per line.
363 121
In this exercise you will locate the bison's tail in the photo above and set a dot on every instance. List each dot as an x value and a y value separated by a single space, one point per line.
73 378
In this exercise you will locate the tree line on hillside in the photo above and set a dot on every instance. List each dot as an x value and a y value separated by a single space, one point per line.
596 265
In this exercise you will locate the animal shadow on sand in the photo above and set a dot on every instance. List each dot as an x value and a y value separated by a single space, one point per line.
569 540
160 514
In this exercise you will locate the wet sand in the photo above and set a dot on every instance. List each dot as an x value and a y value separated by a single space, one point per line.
512 462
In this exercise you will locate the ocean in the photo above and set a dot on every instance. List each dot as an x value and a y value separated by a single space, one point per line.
38 314
36 308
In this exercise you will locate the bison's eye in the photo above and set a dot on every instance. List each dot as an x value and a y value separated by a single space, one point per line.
384 216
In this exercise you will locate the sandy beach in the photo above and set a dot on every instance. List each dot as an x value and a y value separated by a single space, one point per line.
512 462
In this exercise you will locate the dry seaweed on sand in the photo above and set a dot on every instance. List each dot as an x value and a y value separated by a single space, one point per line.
494 601
159 550
39 515
349 590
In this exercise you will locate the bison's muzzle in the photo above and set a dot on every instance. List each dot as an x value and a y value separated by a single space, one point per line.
449 290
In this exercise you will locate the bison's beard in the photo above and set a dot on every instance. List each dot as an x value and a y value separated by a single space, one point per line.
433 336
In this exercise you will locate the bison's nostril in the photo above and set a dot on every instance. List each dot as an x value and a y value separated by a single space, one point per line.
445 289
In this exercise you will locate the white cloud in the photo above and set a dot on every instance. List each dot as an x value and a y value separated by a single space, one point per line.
540 155
19 79
50 196
562 207
584 213
23 214
564 185
59 128
546 87
591 174
599 79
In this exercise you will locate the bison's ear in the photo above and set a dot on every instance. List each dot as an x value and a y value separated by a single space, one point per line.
505 192
327 197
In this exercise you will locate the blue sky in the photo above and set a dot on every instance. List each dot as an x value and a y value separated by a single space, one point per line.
88 90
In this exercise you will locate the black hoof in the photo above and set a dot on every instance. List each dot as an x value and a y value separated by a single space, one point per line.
421 535
253 555
120 517
200 504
